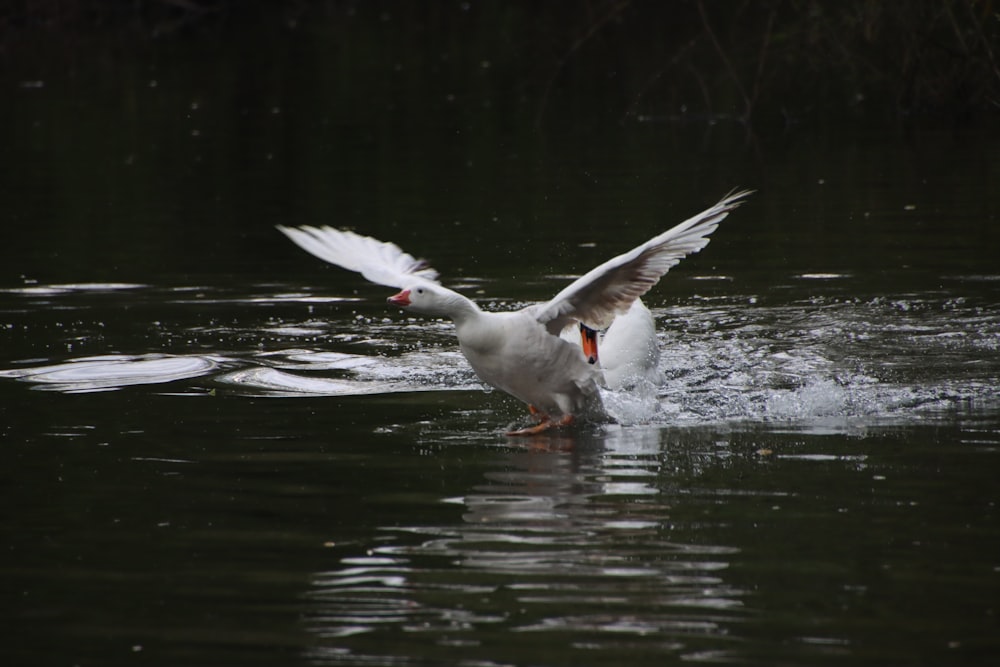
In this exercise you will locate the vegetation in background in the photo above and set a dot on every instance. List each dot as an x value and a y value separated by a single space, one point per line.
769 61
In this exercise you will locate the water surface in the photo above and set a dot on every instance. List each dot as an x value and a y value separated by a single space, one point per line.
220 451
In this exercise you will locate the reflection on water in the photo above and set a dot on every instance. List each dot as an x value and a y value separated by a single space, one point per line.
63 288
569 545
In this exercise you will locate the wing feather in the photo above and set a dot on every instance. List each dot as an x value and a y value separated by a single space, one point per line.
380 262
598 296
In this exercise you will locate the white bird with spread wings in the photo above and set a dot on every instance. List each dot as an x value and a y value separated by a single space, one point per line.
521 352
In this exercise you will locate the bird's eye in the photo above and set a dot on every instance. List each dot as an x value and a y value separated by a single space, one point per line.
420 290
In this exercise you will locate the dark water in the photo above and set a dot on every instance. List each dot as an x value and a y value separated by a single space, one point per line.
219 451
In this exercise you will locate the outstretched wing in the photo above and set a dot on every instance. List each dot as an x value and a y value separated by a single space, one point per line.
380 262
599 295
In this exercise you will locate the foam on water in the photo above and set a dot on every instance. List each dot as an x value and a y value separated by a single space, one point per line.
829 359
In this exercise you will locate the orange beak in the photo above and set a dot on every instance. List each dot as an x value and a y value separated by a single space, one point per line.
402 299
588 339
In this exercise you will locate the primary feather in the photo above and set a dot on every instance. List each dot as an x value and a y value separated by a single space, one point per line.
380 262
608 290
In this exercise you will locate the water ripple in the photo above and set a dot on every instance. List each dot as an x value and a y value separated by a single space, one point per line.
109 372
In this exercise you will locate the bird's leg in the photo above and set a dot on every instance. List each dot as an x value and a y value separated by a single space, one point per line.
537 414
542 427
565 421
531 430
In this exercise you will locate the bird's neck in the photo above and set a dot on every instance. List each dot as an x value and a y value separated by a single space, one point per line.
462 310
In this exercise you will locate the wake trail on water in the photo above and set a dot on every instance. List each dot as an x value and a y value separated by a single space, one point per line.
820 361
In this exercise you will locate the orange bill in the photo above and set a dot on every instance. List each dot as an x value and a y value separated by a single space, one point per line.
588 338
402 299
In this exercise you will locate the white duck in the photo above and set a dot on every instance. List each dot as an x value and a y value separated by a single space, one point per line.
521 352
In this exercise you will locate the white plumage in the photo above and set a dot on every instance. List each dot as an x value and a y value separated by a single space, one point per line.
521 352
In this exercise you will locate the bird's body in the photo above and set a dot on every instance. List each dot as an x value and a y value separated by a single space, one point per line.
521 352
514 353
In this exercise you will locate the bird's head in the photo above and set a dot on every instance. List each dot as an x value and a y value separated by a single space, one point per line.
426 299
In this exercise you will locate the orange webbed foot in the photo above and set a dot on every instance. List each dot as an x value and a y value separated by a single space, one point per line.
538 414
542 427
